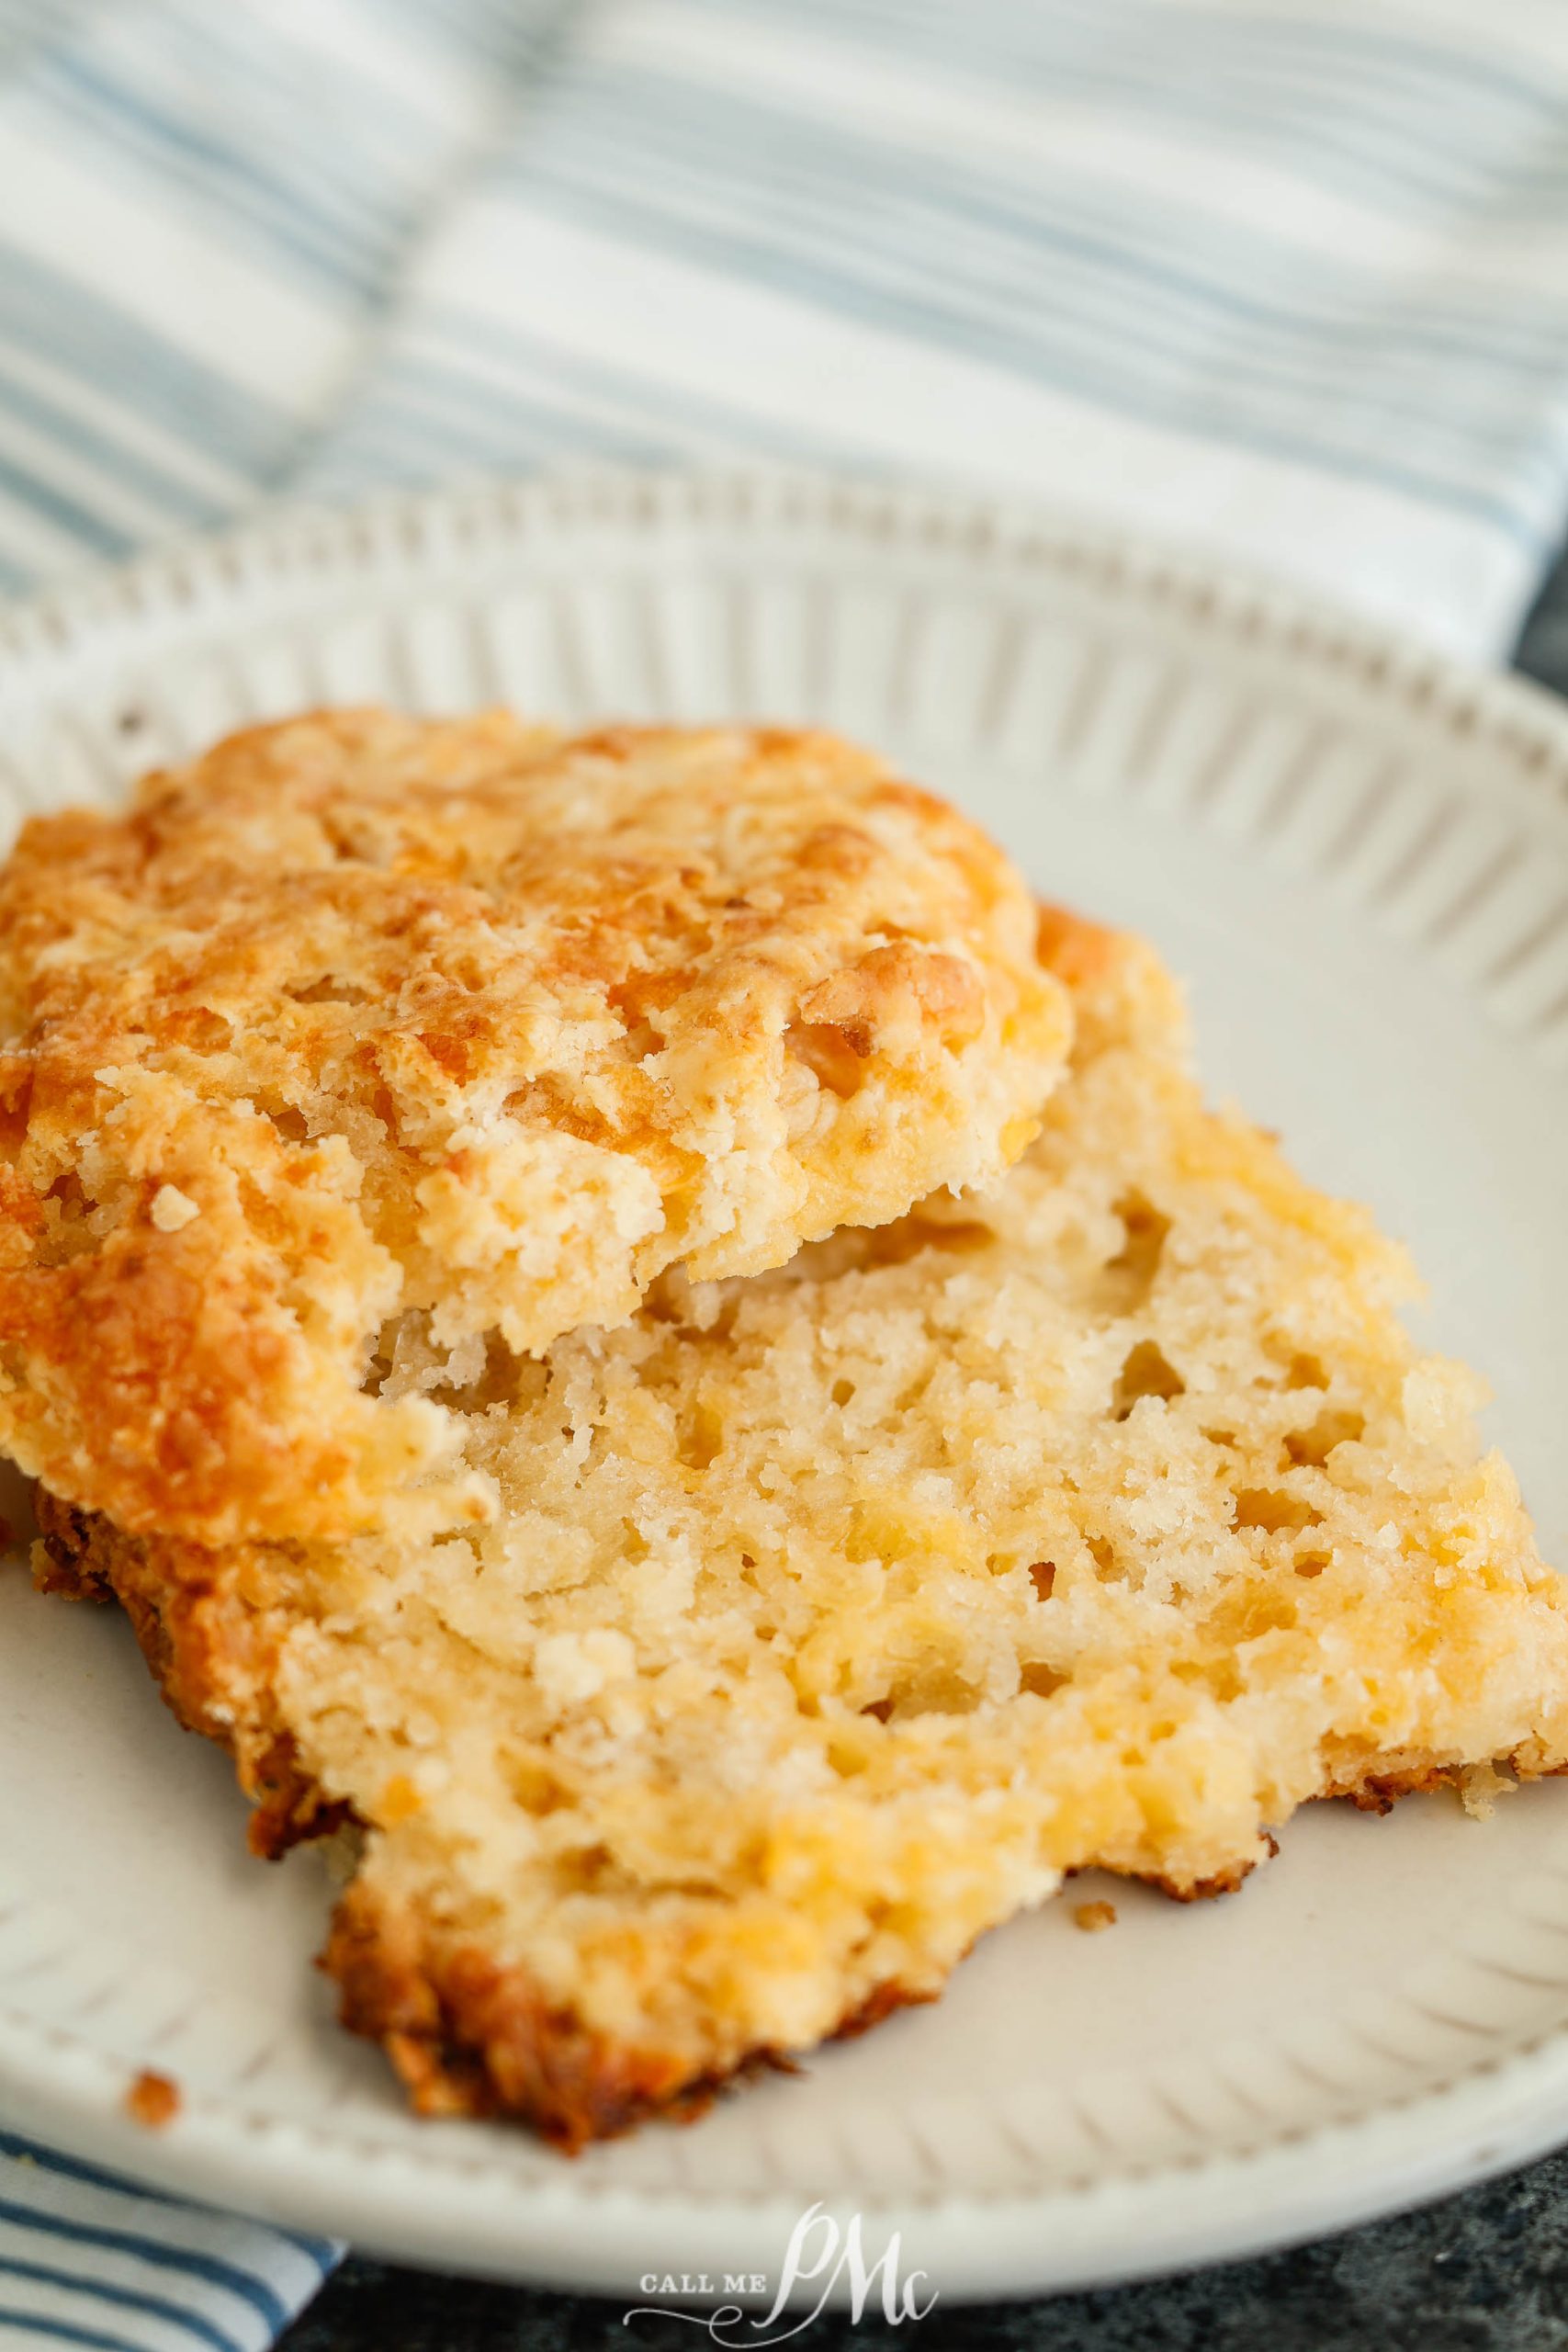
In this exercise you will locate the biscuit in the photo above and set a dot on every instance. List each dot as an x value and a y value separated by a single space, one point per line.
834 1615
365 1034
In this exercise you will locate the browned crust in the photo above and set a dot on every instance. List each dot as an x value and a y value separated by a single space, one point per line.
1228 1881
467 2037
877 2005
1381 1792
65 1560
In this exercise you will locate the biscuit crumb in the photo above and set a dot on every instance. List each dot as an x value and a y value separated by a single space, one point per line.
152 2101
1092 1917
1480 1786
171 1208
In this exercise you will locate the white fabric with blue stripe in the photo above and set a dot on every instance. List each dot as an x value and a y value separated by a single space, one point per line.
89 2260
1286 278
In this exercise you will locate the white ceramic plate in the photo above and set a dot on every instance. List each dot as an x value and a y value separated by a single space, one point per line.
1359 857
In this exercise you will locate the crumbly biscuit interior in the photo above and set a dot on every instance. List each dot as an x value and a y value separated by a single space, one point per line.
832 1615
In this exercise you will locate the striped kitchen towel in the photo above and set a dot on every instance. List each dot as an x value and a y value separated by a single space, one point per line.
89 2260
204 213
1287 278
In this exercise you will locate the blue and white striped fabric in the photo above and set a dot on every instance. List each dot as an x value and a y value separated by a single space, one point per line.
204 212
1290 277
89 2260
1286 278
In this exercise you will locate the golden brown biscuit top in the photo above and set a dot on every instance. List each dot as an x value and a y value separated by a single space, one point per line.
362 1019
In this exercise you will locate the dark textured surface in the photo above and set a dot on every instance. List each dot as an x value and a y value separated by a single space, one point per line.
1484 2272
1543 647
